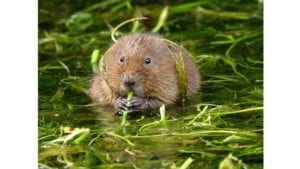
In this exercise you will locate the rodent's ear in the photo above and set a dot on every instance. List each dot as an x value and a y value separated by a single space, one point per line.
170 43
172 46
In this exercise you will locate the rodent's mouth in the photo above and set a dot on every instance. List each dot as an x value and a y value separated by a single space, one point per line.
138 91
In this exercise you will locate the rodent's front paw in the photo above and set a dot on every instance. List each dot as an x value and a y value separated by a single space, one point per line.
133 105
135 102
120 105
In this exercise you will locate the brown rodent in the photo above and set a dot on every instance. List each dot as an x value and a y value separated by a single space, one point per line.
143 63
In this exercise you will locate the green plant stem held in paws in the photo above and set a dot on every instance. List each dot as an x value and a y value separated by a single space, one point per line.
125 113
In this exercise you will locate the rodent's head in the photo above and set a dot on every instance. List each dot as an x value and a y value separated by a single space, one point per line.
140 63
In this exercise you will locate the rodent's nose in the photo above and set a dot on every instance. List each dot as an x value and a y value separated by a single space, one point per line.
131 79
129 82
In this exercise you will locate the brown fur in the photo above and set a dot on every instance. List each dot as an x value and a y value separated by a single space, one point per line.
158 79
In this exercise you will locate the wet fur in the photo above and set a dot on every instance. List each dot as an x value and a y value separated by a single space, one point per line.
158 80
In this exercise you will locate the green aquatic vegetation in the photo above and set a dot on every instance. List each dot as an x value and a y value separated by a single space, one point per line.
220 127
186 163
162 120
125 113
113 32
94 60
162 19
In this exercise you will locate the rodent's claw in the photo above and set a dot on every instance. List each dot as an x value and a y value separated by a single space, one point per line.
121 102
133 105
135 102
120 105
120 110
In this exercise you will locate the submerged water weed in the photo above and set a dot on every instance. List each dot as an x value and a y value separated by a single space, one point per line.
162 120
221 127
78 133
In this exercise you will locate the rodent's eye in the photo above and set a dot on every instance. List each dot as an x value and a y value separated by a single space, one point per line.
122 59
147 61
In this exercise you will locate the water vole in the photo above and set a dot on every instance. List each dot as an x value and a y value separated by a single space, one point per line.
142 63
